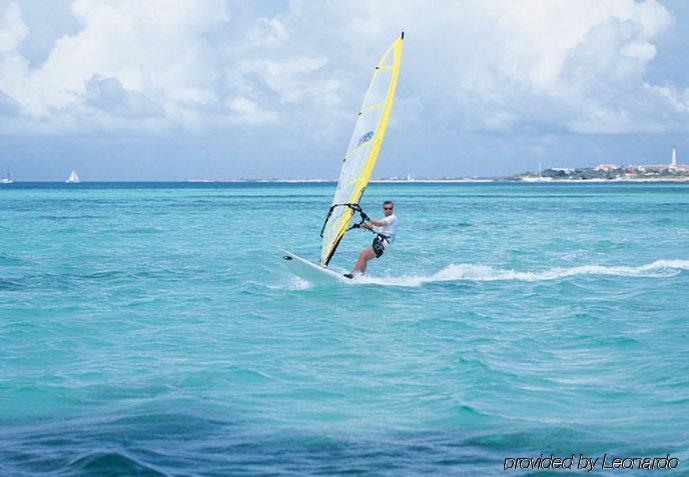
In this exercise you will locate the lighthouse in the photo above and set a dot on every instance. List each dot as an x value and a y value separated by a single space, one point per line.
674 157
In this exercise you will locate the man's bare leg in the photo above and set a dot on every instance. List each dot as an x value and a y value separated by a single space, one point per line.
365 255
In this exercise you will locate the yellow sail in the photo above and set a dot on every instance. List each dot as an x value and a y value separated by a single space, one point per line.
363 149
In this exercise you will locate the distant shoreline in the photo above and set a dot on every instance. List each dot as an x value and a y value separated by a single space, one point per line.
627 179
451 181
306 181
679 180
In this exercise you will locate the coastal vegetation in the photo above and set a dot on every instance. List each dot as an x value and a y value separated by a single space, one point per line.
678 172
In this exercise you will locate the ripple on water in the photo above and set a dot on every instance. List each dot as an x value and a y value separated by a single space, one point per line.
163 336
112 463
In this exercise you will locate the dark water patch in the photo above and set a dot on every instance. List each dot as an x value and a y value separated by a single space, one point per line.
16 328
255 290
504 195
71 217
29 464
60 281
445 226
151 445
606 245
616 342
558 440
7 260
143 231
167 273
8 284
70 230
147 425
100 275
239 206
463 416
141 391
214 198
112 464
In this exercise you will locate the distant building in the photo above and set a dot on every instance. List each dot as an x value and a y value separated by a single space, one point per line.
674 171
673 162
674 166
606 167
653 168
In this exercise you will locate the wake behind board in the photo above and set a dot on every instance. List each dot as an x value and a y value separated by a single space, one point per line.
309 271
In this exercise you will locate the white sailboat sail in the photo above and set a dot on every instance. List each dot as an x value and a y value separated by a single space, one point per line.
73 177
363 149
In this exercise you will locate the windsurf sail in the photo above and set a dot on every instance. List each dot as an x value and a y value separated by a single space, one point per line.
363 149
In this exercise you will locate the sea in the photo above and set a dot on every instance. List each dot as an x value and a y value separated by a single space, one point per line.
151 329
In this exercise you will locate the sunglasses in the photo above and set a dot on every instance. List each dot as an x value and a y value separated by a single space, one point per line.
387 208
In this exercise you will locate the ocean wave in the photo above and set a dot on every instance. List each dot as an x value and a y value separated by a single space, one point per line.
485 273
7 260
112 463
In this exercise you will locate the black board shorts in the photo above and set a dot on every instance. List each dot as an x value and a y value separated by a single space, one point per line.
378 245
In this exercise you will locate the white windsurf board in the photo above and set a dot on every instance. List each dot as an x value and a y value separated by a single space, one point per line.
309 271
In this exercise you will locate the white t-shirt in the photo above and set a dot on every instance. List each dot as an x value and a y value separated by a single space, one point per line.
390 228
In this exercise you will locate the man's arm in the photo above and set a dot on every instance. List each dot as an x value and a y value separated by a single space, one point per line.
377 223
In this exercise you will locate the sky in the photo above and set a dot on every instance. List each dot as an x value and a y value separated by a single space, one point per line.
225 89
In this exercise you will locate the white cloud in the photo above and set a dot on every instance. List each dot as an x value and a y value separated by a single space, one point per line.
480 65
292 79
110 97
13 66
12 28
154 51
268 32
248 112
568 64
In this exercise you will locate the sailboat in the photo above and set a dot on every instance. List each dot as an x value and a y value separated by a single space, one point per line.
73 177
8 179
361 156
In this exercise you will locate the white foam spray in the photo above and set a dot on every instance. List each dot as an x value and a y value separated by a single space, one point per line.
484 273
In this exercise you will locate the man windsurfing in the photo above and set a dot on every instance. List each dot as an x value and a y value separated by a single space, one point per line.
385 234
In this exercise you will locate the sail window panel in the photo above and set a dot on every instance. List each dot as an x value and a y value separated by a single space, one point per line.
378 90
388 58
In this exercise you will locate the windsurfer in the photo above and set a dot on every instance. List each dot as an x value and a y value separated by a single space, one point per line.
385 234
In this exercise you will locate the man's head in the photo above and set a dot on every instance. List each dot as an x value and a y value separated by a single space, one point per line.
387 208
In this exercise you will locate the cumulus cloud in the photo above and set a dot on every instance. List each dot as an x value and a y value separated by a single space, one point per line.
130 58
110 97
291 80
577 65
248 112
478 65
12 28
13 66
268 32
8 106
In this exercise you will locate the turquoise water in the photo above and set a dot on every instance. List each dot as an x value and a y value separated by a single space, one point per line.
151 329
